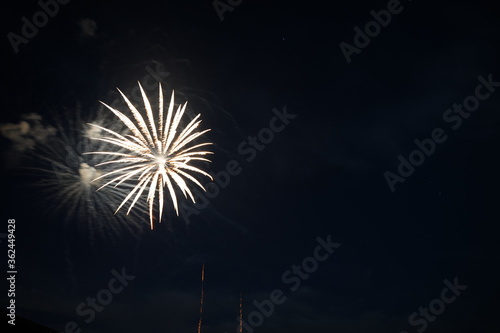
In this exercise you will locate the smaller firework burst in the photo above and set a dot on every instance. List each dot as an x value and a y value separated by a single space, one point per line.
158 153
60 178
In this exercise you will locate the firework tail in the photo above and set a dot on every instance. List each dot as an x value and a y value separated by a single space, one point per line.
201 298
241 313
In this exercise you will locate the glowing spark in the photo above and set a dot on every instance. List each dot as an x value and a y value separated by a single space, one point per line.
156 155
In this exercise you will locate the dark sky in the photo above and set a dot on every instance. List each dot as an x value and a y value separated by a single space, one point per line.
414 248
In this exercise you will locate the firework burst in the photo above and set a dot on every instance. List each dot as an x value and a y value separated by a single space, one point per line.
58 177
157 153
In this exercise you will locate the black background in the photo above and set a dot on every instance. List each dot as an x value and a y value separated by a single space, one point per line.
322 175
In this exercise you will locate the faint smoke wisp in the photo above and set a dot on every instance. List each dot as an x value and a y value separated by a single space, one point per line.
27 133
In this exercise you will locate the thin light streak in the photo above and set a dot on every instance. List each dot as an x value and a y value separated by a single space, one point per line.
241 312
202 296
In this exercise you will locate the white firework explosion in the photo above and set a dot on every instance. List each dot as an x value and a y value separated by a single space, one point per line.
155 155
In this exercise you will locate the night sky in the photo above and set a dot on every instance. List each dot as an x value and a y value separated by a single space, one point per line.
355 163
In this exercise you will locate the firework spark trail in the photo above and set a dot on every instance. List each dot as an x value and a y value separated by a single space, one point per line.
201 298
241 312
158 155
